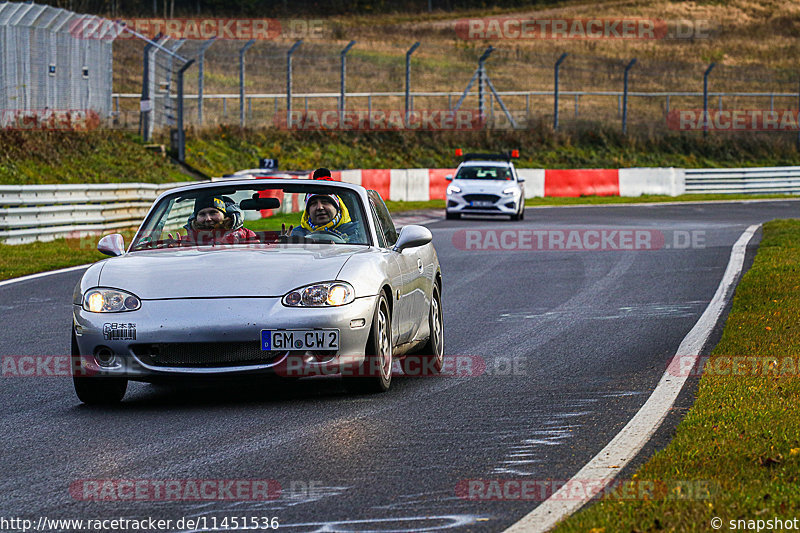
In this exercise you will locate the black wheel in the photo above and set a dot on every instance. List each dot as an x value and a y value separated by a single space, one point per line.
433 351
375 373
452 216
95 390
522 213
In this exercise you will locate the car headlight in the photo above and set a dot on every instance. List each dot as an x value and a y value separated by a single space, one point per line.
329 294
510 190
453 189
110 301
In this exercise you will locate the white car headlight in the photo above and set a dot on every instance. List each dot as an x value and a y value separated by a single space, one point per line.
453 189
110 301
328 294
510 190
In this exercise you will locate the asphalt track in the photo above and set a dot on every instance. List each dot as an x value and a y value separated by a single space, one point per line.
573 342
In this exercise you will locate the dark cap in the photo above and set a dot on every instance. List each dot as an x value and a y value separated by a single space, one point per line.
210 201
322 173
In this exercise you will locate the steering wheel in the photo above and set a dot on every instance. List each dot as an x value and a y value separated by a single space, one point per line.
324 236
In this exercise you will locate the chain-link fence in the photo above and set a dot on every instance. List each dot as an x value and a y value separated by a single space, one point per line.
45 66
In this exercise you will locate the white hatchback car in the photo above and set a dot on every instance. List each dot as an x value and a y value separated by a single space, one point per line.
486 184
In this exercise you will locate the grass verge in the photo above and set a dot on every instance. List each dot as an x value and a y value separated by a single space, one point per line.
741 438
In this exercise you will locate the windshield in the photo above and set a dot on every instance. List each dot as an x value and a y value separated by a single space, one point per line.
484 173
253 214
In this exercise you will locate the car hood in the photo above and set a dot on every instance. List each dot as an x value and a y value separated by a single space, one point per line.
483 186
209 272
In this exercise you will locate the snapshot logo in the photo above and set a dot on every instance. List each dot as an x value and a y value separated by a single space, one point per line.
581 489
49 119
577 240
733 365
382 120
262 29
520 28
175 489
455 366
734 120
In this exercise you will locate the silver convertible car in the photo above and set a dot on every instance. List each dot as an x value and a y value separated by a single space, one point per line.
258 277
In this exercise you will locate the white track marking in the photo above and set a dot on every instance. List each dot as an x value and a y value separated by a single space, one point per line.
43 274
604 466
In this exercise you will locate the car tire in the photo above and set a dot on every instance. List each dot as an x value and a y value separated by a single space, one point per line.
433 351
452 216
522 213
97 390
375 373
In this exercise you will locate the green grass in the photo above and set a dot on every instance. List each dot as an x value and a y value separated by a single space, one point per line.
101 156
23 259
742 436
222 150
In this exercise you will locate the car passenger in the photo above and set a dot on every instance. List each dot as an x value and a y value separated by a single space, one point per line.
326 213
217 220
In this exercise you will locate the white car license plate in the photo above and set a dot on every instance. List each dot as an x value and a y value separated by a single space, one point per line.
299 339
482 203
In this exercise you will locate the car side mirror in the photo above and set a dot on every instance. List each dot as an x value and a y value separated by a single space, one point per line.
449 177
412 236
112 245
520 179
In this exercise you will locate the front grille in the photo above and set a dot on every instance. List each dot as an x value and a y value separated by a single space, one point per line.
481 197
200 354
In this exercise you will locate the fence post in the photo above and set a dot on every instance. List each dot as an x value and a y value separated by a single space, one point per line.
705 99
145 106
343 79
482 79
555 91
247 45
181 131
201 75
408 76
625 97
294 47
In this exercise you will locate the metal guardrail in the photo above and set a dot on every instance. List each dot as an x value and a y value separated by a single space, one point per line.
778 180
45 212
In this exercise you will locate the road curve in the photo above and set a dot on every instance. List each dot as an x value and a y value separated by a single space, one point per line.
573 342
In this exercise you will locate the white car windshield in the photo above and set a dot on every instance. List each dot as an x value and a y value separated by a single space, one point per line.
259 213
474 172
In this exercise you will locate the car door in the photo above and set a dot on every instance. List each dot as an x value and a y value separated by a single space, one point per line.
403 307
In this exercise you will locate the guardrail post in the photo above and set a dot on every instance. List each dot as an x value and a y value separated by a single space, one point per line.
408 77
555 90
244 49
181 132
201 76
343 80
294 47
625 97
705 98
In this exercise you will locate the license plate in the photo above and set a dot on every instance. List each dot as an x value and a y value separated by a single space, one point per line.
482 203
299 339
